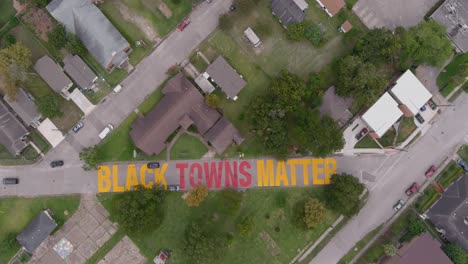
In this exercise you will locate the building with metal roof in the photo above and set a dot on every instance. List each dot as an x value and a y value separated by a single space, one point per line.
230 82
77 69
453 14
53 75
410 92
382 115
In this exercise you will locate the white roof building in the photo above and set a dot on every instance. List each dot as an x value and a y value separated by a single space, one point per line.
382 115
411 92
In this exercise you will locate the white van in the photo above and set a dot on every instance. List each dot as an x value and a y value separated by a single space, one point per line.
106 131
117 89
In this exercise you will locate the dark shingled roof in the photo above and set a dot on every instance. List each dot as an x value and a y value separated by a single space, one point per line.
222 134
24 106
12 131
226 77
287 11
453 14
79 71
450 212
52 74
36 231
336 107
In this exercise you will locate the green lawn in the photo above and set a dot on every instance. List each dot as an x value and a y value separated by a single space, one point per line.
188 147
28 156
40 142
449 174
429 196
447 79
16 213
23 35
113 78
463 152
6 11
387 139
271 210
407 127
199 63
359 245
367 142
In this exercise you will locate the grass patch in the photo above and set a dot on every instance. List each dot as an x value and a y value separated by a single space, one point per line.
449 78
387 139
449 174
188 147
367 142
6 12
429 196
23 35
407 126
463 152
350 3
40 142
113 78
359 245
269 213
18 212
199 63
456 95
102 251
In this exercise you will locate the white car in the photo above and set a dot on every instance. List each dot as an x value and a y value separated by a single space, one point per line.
398 205
106 131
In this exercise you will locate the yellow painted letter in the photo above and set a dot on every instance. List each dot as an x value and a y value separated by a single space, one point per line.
330 169
104 183
132 179
316 170
159 176
265 175
292 165
115 178
281 175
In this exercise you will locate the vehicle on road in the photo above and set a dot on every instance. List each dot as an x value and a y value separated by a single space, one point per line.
8 181
430 171
462 163
173 188
398 205
432 105
106 131
419 118
184 24
362 133
56 163
78 126
117 89
152 165
412 189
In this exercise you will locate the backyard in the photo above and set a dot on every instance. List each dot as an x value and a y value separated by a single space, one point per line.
188 147
6 12
275 237
16 213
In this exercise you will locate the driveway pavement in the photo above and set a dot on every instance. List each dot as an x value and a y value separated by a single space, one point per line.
392 13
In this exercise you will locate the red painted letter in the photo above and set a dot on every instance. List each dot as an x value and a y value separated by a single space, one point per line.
229 174
181 167
213 173
248 178
200 174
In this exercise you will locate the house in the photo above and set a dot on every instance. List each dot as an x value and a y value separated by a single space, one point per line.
252 37
230 82
410 93
222 134
382 115
88 23
453 14
53 75
346 26
289 11
37 231
12 132
421 249
449 213
25 108
77 69
331 7
336 107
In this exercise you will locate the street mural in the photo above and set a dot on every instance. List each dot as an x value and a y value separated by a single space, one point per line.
218 174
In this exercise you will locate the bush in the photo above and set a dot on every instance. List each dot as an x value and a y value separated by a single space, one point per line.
58 37
11 39
295 31
49 106
390 250
75 46
213 101
244 6
313 33
456 254
314 213
197 195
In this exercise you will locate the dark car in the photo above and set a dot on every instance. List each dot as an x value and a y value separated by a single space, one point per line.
184 24
412 189
173 188
8 181
56 163
419 118
362 133
430 171
77 127
152 165
463 164
432 105
232 8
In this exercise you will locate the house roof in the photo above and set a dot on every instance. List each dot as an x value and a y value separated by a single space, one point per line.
52 74
336 107
24 106
411 92
382 114
287 11
11 131
204 84
347 26
226 77
333 6
79 71
449 212
97 33
181 100
453 14
36 231
222 134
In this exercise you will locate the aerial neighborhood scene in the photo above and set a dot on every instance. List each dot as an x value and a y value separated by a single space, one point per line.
233 131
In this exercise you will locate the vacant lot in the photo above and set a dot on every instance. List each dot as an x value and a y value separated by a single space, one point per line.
452 75
18 212
6 11
272 212
23 35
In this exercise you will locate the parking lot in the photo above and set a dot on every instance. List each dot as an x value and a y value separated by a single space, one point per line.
392 13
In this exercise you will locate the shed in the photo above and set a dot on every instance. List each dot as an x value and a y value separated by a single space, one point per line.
24 106
346 26
382 115
37 231
226 77
204 84
53 75
77 69
252 37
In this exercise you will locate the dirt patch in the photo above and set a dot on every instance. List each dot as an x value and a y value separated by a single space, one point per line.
165 10
139 21
272 246
19 7
37 19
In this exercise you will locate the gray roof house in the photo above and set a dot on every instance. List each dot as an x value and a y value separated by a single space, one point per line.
453 14
77 69
12 132
222 135
289 11
25 108
97 33
53 75
226 77
37 231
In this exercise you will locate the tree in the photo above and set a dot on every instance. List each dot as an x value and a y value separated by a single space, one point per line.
140 209
288 91
343 194
378 46
314 212
197 195
313 33
58 37
295 31
49 106
456 253
390 250
416 227
14 63
75 46
212 100
231 199
203 246
92 156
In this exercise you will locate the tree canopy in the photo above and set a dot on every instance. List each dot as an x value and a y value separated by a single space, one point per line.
202 246
92 156
14 64
58 37
378 46
313 33
456 253
343 193
314 212
197 195
295 31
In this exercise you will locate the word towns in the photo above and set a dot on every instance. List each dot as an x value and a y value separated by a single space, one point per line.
219 174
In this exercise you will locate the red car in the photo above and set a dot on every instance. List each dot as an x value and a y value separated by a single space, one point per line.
184 24
361 134
430 171
412 189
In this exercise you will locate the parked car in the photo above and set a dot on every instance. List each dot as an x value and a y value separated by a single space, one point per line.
117 89
362 133
106 131
232 8
432 105
173 188
78 126
8 181
398 205
412 189
419 118
152 165
184 24
462 164
57 163
430 171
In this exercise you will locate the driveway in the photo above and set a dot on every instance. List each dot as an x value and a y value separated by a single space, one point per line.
392 13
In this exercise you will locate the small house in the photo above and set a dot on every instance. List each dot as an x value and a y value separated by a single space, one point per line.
77 69
25 107
54 76
289 11
37 231
331 7
12 132
346 26
222 73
